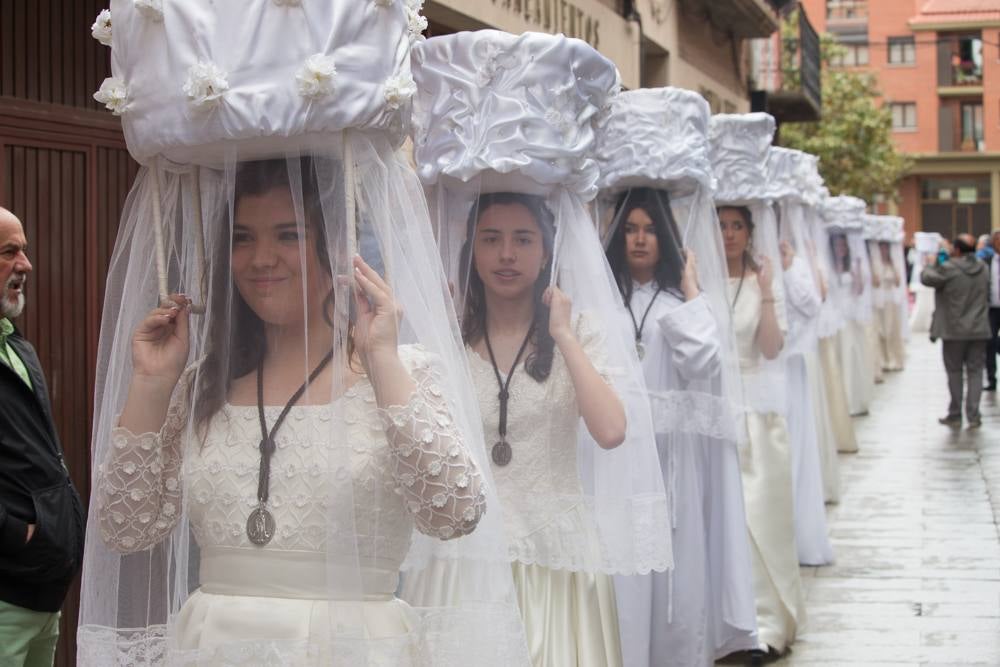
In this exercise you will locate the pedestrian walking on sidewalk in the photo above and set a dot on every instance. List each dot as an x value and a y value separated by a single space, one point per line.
993 346
961 321
41 517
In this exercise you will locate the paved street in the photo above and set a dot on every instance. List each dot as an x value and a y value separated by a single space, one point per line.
917 577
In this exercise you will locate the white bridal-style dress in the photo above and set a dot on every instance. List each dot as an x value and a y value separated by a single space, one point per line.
767 487
569 612
407 466
704 608
804 416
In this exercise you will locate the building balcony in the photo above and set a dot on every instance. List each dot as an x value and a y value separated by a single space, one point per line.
847 16
786 74
960 126
743 18
960 61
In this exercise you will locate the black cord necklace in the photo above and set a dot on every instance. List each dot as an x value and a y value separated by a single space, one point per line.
501 451
260 523
640 349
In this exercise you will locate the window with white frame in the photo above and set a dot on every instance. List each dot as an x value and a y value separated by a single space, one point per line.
854 55
904 115
902 51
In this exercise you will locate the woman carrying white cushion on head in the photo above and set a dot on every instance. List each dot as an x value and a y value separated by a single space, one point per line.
756 299
504 126
663 245
281 430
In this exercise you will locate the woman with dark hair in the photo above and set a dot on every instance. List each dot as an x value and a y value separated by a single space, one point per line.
508 165
214 436
537 372
667 618
758 320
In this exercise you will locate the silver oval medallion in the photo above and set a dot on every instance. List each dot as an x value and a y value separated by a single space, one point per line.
260 526
640 349
501 453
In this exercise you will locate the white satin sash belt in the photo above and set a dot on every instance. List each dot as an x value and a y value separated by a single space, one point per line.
291 574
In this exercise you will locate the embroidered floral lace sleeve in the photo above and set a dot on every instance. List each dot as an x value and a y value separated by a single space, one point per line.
139 483
431 467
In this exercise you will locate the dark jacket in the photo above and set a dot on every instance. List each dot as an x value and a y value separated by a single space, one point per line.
35 487
961 298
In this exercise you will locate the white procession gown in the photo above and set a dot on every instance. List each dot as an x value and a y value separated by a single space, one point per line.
279 591
704 608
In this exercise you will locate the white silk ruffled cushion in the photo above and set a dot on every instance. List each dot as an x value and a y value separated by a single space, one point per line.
520 109
810 181
204 74
655 137
784 180
739 148
844 212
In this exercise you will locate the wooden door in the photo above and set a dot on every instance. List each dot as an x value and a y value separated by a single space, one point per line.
69 195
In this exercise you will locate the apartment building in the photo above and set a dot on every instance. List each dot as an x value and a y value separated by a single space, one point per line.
938 65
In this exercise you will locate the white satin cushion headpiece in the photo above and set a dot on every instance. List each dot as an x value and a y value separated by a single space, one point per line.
655 137
844 212
739 148
519 109
883 228
810 182
191 78
794 174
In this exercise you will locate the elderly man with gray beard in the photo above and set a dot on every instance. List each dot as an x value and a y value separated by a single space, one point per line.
41 516
961 300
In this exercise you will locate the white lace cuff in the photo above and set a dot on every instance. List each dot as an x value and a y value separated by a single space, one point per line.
432 468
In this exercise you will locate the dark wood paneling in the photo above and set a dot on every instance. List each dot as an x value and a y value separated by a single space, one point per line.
47 53
69 195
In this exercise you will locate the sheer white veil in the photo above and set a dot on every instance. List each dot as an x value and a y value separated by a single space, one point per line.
739 150
236 111
515 117
852 286
654 148
788 173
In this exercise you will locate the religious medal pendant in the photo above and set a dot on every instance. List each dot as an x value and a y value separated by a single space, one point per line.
640 349
260 526
501 453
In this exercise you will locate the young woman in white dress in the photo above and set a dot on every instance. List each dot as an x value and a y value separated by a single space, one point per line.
767 476
537 372
243 442
282 428
504 129
673 618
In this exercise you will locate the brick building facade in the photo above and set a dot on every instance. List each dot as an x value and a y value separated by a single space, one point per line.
938 65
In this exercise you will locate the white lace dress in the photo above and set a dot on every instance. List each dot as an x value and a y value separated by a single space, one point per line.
569 613
401 467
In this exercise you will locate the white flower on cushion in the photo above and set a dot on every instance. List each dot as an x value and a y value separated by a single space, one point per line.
113 94
318 76
398 90
415 23
151 9
205 85
101 30
495 61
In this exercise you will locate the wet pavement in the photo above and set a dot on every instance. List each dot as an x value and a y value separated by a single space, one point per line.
917 575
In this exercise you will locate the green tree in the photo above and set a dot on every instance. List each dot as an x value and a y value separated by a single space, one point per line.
853 138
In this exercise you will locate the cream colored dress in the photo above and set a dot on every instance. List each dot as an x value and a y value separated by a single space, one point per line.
892 348
570 614
288 591
767 487
856 351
